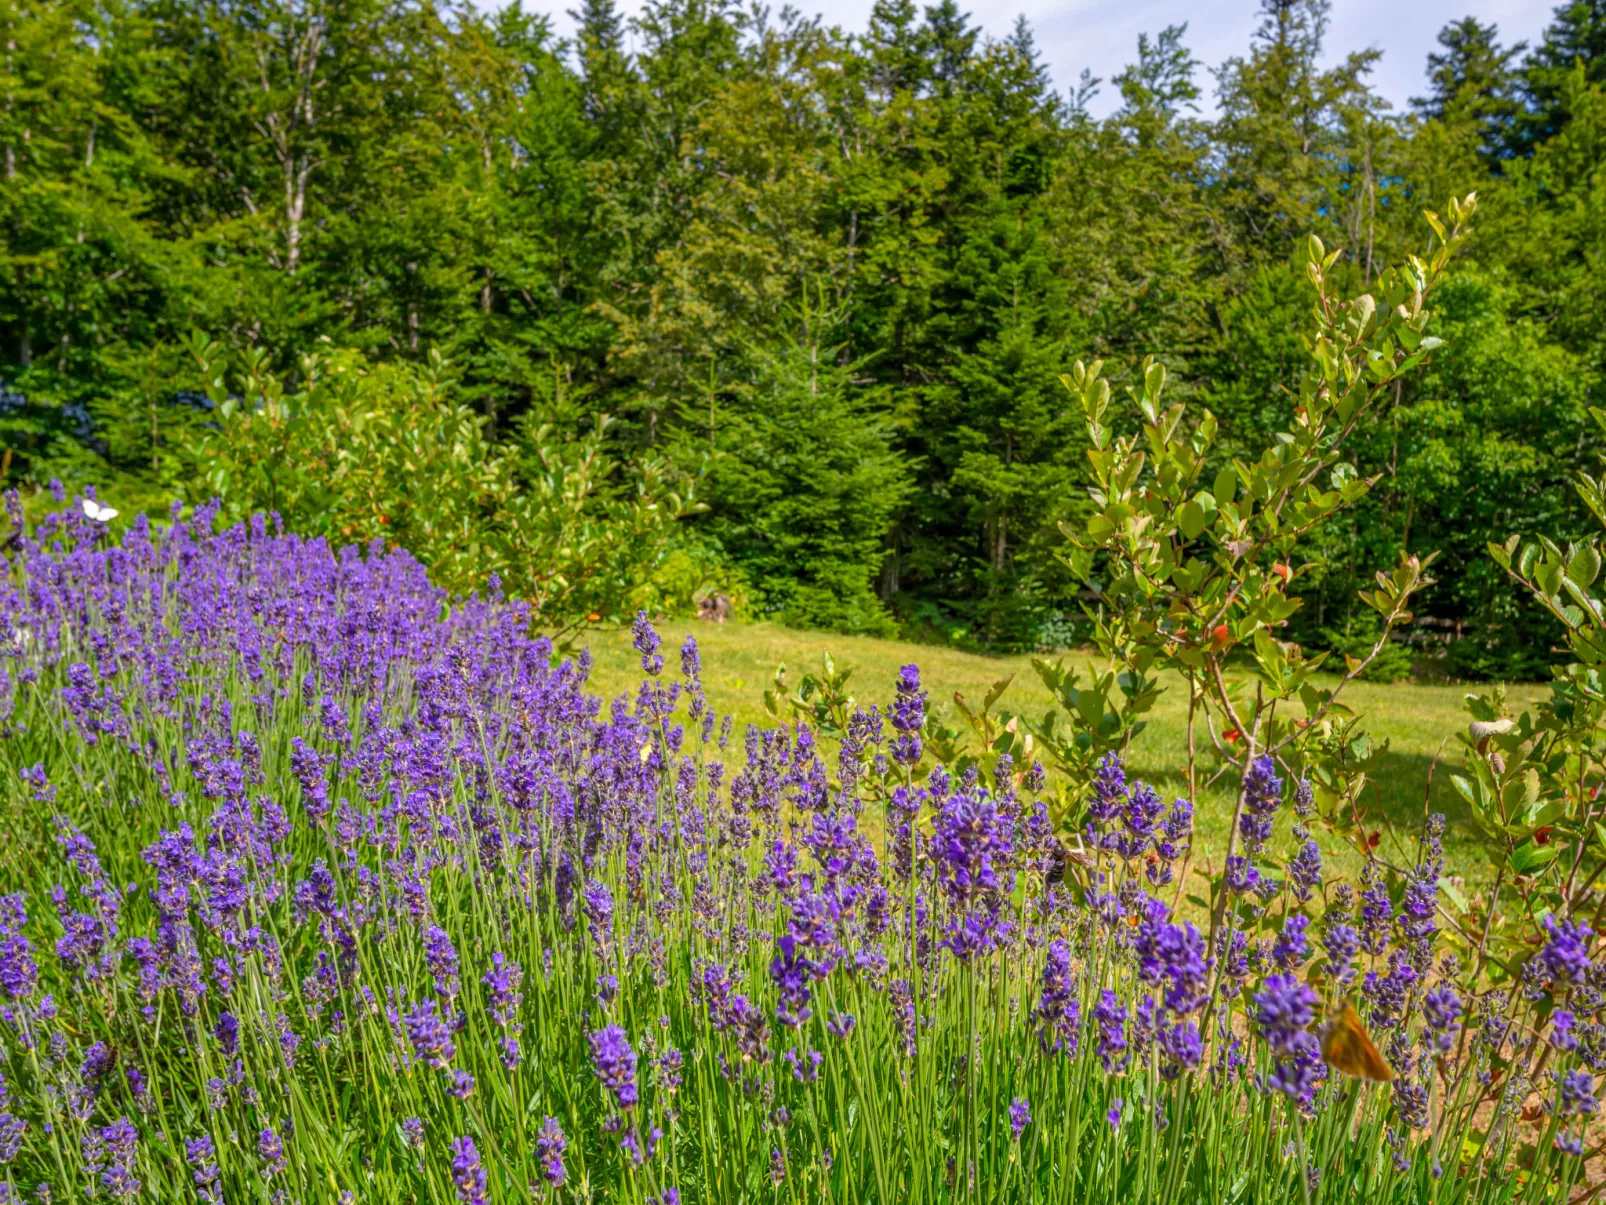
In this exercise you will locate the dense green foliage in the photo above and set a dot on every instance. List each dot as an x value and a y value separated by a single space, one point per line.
833 277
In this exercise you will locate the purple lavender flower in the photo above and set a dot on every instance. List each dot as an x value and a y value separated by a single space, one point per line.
502 989
908 717
971 844
12 1131
805 1068
668 1067
1241 876
1111 1015
97 1065
1262 796
1300 1073
19 974
1577 1098
549 1147
1292 948
1341 942
270 1150
1442 1009
793 971
1304 799
467 1172
509 1052
200 1155
1174 955
615 1064
1562 1036
459 1084
1036 778
1284 1009
440 956
413 1132
976 932
1389 992
1145 1025
430 1035
1420 903
307 765
227 1032
1183 1048
814 919
646 643
1141 818
1564 959
1109 790
599 910
1058 1012
1173 841
1020 1116
1411 1103
1305 871
112 1152
1377 913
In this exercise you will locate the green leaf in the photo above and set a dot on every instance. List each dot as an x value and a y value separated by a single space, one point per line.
1226 485
1530 857
1192 519
995 691
1584 566
1468 790
1154 379
1520 794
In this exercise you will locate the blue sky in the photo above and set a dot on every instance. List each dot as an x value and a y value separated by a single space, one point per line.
1102 34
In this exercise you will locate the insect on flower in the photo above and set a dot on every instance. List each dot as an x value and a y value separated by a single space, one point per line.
99 513
1347 1048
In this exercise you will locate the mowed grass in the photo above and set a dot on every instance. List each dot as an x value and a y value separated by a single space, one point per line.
1417 721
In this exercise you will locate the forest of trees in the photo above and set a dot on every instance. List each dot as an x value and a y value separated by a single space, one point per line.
832 277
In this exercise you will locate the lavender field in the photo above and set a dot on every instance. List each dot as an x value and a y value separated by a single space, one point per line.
321 885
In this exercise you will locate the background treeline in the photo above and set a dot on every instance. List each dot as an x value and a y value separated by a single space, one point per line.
824 282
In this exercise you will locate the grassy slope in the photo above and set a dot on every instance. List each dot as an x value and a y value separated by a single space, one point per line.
740 659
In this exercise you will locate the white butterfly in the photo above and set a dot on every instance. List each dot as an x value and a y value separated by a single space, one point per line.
99 513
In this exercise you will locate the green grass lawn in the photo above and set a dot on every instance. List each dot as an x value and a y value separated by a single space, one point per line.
739 662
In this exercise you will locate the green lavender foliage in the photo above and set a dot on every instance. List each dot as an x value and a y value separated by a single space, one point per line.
369 840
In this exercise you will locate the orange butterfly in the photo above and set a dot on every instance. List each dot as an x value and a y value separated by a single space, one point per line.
1346 1048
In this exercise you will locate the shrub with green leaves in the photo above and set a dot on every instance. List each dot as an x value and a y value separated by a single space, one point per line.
358 452
1193 559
